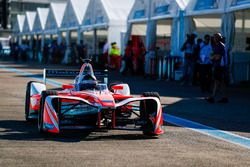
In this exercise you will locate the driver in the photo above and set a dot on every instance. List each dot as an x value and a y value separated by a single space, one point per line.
88 81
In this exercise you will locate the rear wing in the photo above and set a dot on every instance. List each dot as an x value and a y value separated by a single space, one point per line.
72 73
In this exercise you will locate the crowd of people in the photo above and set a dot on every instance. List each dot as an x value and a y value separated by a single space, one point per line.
50 53
206 63
111 56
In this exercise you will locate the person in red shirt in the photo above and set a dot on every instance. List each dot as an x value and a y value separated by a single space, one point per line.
128 57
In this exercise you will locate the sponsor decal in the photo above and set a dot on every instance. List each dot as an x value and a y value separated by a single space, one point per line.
68 73
201 5
161 10
71 73
139 14
240 2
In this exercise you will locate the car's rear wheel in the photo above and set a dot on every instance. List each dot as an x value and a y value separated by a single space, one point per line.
147 107
41 110
27 101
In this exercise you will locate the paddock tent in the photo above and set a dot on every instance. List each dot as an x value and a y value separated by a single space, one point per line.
237 21
204 16
153 20
40 20
29 23
110 15
74 13
138 18
55 16
18 28
138 21
163 31
165 13
72 19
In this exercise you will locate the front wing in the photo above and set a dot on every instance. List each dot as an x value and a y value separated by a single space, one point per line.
66 112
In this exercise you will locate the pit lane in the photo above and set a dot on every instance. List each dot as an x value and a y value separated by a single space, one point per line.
21 145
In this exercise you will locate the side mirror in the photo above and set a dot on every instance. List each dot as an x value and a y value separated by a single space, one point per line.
67 86
117 87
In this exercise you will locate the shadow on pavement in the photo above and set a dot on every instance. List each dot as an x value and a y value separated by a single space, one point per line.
27 131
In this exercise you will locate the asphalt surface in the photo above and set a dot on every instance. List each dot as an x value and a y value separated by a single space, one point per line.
22 145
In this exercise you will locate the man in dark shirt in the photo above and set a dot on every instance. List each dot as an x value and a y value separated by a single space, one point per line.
218 59
189 58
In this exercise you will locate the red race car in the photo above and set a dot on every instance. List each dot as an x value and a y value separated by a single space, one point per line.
90 104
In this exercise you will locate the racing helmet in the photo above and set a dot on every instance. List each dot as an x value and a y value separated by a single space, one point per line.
88 82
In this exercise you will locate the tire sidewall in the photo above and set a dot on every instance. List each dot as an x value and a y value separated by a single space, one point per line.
41 108
148 127
27 101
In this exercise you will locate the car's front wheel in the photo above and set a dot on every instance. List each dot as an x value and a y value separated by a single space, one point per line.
27 101
147 109
41 110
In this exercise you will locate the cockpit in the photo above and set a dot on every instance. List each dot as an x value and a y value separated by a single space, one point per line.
86 79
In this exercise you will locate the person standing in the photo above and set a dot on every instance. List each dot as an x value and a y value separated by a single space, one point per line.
218 59
115 56
45 53
141 58
205 64
128 58
16 51
189 59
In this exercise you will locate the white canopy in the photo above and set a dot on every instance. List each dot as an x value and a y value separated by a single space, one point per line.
74 13
18 27
55 16
29 22
108 14
40 20
199 7
234 5
101 13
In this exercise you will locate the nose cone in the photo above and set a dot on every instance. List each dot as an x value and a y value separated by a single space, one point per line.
107 100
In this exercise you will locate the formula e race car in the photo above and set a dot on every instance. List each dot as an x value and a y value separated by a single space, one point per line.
90 104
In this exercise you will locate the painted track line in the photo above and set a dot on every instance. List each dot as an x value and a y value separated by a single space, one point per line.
30 75
210 131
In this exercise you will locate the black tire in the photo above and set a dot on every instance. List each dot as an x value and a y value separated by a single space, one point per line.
27 101
146 108
41 109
